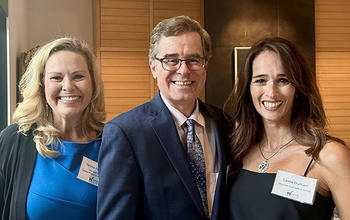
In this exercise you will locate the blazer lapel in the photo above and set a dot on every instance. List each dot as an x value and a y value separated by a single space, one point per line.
164 127
221 157
221 177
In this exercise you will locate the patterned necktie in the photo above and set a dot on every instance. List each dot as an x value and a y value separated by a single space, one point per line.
196 160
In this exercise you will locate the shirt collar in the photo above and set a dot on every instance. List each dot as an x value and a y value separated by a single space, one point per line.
180 118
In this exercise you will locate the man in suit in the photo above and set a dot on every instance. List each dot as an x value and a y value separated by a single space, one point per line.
152 163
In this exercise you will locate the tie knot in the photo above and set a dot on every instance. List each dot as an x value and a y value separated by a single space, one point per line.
189 122
190 130
190 125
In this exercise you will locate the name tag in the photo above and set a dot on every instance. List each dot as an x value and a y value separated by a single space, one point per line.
295 187
88 171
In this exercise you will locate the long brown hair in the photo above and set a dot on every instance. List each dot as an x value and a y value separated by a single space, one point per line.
308 119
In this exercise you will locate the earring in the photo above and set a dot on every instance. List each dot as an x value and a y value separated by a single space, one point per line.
47 110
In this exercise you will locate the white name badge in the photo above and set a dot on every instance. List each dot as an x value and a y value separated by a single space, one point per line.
295 187
88 171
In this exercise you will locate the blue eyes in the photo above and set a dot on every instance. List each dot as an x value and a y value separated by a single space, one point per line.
56 78
78 76
60 78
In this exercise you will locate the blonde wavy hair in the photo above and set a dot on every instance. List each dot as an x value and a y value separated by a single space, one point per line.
34 114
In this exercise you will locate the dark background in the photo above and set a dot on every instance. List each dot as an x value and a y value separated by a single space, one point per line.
3 69
233 23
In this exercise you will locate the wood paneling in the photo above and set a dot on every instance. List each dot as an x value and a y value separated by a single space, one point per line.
332 22
122 29
332 25
122 36
167 8
126 76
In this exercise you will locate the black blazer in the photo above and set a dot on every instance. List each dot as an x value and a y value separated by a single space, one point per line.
143 170
17 160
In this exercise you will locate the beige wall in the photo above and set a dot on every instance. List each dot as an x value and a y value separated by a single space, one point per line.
18 42
48 19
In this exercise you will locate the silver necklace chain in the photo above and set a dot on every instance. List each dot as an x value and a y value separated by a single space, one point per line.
264 165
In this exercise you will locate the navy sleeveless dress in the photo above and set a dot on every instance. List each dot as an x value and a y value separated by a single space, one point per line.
250 198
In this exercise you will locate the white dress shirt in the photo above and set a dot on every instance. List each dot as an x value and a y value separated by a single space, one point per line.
204 131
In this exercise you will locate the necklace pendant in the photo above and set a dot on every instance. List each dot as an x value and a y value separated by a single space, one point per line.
263 166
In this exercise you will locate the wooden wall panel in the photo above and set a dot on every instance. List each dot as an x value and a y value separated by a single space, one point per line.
332 23
125 75
130 20
167 8
122 31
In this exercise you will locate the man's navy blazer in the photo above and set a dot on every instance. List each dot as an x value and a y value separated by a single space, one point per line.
143 169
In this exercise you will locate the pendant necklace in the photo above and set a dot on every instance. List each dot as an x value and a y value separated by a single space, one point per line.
264 165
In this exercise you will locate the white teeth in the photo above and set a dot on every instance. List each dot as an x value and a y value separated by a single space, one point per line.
182 83
68 98
272 104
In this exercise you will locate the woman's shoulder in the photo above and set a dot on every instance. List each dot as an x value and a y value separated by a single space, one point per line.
10 128
10 134
334 158
9 131
334 161
13 131
7 137
333 153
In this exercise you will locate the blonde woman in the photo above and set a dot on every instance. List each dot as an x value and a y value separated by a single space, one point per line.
48 158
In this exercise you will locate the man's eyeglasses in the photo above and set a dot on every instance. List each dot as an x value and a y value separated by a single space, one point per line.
173 64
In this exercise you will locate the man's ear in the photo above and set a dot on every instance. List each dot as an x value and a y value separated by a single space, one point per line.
152 66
